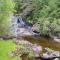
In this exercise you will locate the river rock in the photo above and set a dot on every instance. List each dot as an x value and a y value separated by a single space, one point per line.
57 39
51 53
29 47
37 49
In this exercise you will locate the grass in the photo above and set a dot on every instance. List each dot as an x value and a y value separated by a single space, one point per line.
5 48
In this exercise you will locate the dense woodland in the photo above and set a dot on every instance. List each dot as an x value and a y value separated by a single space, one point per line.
43 14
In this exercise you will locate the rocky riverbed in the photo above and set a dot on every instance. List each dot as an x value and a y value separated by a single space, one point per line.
36 50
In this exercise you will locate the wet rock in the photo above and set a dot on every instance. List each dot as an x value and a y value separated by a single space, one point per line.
37 49
57 39
24 32
20 27
55 55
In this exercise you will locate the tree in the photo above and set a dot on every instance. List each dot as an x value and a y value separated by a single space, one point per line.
6 11
47 16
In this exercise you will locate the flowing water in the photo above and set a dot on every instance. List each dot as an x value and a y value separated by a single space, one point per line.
20 25
44 42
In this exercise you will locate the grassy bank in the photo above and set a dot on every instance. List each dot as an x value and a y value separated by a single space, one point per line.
5 48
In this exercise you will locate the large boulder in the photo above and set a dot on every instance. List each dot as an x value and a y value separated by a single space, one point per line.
24 32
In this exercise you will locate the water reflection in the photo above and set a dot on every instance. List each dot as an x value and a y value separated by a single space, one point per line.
45 42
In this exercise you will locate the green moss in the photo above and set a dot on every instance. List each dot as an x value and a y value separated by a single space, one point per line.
5 48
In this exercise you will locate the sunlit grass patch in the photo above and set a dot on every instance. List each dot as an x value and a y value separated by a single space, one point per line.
5 48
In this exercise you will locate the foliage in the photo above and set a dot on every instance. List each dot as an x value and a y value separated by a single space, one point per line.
47 16
23 49
46 13
49 28
23 8
6 10
17 6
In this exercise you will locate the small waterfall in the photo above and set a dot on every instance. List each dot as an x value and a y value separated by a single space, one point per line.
14 25
20 26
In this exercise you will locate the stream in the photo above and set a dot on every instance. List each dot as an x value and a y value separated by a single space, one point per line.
45 46
44 42
20 27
